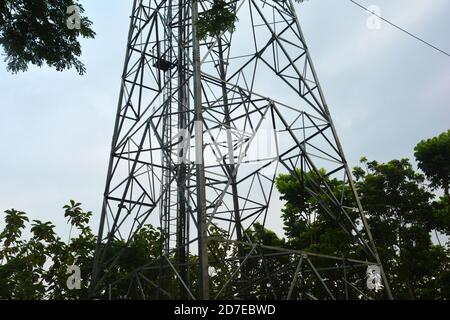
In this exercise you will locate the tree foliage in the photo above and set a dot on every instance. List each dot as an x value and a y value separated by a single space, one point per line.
35 32
219 18
36 268
433 158
402 214
306 222
401 209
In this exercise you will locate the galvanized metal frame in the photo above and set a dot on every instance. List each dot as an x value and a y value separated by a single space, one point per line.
174 81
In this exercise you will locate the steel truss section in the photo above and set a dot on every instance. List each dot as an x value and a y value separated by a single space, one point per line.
257 111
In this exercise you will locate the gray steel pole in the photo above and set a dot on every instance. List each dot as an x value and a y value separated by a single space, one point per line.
183 218
200 165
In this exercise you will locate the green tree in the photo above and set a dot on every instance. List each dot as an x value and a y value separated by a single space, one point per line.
36 268
401 218
219 18
307 225
433 158
401 215
35 32
261 277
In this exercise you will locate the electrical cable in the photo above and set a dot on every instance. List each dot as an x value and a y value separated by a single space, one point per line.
400 28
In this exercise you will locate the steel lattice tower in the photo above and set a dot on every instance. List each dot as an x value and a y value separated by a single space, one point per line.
202 130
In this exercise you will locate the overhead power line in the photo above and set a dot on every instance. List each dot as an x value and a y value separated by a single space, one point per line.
400 28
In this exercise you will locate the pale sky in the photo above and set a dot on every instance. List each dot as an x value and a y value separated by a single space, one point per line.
386 91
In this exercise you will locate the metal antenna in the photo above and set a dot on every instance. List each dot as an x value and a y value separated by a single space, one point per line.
203 129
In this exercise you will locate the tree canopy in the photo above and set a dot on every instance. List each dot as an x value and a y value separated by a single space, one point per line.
402 215
35 32
219 18
36 268
402 211
433 158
